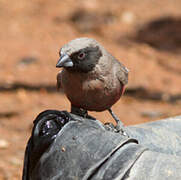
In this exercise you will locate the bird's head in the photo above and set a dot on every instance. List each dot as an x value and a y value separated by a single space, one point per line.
80 54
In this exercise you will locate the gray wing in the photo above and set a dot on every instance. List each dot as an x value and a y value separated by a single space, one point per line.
121 72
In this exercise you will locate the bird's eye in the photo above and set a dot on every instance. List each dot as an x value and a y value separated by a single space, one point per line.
81 55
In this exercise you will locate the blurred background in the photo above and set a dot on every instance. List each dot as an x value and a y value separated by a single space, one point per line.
144 35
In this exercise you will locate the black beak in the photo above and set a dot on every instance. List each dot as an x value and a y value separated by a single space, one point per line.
64 61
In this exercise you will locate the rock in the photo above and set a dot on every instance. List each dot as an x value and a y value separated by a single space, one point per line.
4 144
127 17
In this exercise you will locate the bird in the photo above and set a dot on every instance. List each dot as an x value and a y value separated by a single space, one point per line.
91 78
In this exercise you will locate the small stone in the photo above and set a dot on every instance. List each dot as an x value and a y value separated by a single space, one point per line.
63 149
4 144
74 138
127 17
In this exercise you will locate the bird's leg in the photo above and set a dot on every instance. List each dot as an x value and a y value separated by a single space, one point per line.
120 125
80 112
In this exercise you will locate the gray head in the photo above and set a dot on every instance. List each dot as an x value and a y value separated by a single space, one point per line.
80 54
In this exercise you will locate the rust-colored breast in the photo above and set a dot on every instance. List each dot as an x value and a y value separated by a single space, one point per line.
90 93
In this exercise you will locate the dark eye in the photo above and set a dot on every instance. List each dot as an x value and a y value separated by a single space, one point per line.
81 55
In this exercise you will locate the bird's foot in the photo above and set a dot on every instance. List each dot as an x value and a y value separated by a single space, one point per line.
90 117
120 129
110 127
81 112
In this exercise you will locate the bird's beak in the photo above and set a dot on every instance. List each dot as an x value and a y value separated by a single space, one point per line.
64 61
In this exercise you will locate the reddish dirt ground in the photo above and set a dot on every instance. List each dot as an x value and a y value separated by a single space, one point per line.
144 35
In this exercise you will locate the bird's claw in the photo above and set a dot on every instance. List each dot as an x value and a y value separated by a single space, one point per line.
120 129
81 112
123 132
110 127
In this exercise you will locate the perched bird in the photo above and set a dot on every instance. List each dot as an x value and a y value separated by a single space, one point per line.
92 79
